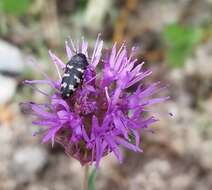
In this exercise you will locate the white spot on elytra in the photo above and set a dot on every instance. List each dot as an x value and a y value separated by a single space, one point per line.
80 70
70 66
71 87
77 79
66 75
64 84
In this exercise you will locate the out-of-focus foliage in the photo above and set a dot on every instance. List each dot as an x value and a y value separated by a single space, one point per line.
181 41
81 4
91 180
15 7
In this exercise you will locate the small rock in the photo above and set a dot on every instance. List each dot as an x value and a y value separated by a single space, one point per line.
205 154
207 105
28 161
10 58
198 12
7 88
37 186
6 136
6 144
182 181
76 169
95 14
108 166
200 64
155 15
162 167
153 175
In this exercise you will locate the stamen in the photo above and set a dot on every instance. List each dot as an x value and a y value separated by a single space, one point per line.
68 50
36 89
37 66
107 94
70 43
58 71
93 78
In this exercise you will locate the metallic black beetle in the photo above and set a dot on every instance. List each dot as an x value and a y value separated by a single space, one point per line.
73 74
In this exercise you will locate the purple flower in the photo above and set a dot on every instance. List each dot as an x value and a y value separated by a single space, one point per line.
103 114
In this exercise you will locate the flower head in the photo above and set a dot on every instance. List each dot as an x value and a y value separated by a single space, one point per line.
102 114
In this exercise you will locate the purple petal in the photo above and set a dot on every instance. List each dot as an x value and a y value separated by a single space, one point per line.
56 60
68 50
128 145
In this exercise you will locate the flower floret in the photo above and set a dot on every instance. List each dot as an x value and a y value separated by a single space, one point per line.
102 115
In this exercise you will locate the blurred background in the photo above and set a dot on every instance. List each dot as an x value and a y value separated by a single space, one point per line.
175 39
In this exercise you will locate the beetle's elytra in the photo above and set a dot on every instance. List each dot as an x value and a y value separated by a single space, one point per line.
73 74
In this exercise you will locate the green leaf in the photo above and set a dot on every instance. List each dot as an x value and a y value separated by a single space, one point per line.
92 180
1 5
181 41
81 4
15 7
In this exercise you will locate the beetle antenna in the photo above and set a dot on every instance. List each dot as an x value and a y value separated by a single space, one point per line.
71 45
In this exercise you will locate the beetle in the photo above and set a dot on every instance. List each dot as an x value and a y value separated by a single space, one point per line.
73 75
